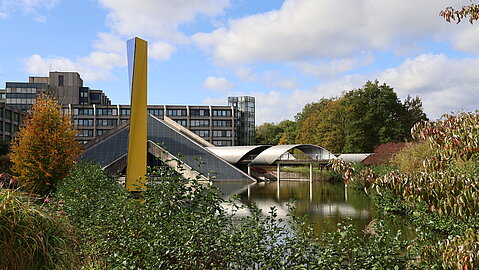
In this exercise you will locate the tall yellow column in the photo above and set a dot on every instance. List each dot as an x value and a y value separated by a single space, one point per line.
137 151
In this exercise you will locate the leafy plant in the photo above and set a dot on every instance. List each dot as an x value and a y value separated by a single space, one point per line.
32 238
181 224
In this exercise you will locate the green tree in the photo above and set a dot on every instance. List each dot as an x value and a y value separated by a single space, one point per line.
324 125
46 147
289 132
268 133
374 117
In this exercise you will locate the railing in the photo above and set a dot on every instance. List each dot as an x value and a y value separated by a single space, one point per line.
296 157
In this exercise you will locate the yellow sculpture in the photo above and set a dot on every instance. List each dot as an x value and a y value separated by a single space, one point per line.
137 151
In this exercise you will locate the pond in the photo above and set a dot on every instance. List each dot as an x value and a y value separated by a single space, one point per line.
325 204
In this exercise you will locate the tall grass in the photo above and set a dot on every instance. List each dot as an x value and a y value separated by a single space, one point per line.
30 237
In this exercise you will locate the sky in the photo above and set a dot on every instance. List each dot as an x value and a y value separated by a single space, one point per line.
285 53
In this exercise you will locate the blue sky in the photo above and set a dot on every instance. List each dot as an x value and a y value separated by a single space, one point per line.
286 53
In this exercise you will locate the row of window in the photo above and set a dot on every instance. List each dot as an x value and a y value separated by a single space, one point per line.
8 115
99 122
21 90
222 133
216 133
9 127
20 101
176 112
222 143
222 123
222 113
199 112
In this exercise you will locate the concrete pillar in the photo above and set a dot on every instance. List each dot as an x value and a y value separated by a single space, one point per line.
249 191
278 172
277 189
311 191
310 172
249 170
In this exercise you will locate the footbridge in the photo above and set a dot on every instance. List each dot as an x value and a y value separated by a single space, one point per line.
278 155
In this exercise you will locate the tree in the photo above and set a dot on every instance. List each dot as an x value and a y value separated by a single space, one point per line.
324 125
45 149
374 118
268 133
471 11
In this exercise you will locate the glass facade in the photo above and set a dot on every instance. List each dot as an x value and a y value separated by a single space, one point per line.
245 106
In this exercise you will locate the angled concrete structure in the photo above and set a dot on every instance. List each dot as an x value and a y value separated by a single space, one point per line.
164 142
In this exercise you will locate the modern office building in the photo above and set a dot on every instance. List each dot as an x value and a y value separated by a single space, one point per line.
10 120
94 115
245 108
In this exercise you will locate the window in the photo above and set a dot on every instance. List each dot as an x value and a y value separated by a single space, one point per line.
60 80
85 133
106 122
201 112
85 111
156 112
199 123
222 143
222 123
202 133
105 111
181 122
83 122
222 113
124 111
100 132
176 112
221 133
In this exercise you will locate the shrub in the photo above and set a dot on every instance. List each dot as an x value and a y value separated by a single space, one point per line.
410 158
182 224
46 148
31 238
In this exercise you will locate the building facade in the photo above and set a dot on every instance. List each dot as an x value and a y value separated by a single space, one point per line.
215 124
93 114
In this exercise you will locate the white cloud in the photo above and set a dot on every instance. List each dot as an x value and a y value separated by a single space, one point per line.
28 7
103 60
158 19
218 83
444 84
161 50
305 29
327 69
37 65
110 42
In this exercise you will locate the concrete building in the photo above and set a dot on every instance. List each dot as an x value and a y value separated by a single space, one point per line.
94 115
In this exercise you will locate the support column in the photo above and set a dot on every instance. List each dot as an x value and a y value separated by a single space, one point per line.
310 172
278 172
311 191
249 170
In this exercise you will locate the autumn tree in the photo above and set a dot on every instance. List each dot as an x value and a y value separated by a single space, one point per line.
45 149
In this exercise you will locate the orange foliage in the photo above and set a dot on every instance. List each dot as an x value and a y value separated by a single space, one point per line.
45 149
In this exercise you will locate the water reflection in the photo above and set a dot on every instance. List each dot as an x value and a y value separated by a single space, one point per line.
325 204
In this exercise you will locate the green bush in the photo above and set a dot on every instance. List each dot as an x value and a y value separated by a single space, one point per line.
182 224
31 238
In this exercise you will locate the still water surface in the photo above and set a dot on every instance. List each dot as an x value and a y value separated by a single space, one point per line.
324 203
